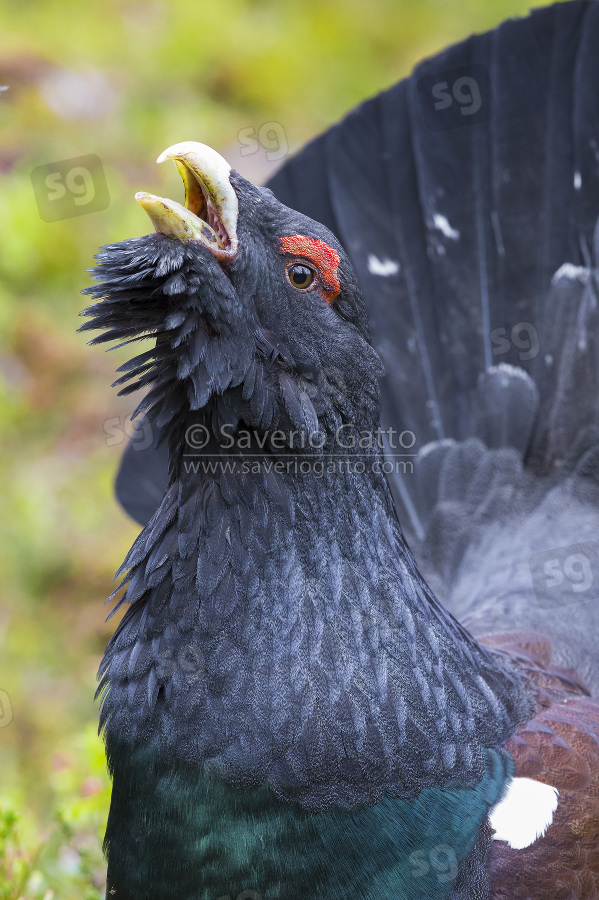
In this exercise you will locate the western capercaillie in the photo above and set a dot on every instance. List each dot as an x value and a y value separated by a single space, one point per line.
288 708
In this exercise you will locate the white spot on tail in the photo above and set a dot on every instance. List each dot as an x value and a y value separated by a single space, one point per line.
577 181
384 267
525 812
432 445
443 225
572 272
507 373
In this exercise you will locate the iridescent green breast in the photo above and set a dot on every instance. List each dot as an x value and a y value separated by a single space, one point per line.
175 835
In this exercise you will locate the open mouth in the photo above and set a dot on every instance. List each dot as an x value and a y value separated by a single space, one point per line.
210 211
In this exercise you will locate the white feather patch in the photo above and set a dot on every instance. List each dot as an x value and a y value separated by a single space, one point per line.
572 273
384 267
525 812
443 225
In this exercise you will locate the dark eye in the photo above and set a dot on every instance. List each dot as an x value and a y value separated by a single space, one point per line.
300 276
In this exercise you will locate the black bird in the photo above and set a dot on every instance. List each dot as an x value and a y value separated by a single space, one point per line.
291 709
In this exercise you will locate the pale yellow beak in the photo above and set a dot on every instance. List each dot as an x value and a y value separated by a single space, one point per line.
211 209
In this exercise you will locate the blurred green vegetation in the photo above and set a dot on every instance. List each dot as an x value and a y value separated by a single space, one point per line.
123 80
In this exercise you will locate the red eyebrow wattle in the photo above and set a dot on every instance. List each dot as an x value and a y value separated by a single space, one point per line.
324 257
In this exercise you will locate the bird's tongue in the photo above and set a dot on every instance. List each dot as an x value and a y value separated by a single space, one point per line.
211 209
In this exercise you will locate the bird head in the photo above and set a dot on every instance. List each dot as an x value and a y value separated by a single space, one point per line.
255 308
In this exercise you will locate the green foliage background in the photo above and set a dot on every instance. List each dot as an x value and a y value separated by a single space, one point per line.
123 80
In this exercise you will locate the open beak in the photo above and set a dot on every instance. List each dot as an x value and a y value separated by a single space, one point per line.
210 212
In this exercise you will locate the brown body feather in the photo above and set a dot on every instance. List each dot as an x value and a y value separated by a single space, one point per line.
560 747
